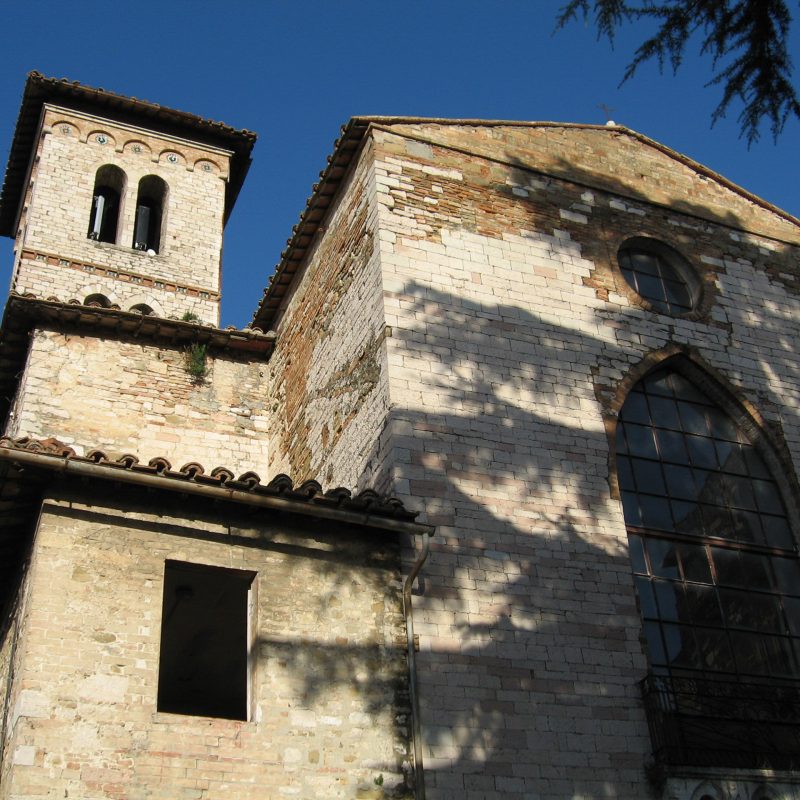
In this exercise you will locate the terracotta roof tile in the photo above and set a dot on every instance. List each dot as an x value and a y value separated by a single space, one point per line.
307 494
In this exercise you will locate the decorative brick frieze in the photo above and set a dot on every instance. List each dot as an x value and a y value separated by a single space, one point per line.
138 278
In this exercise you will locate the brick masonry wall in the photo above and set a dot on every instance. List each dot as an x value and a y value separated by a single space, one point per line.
512 332
330 709
328 371
127 397
59 201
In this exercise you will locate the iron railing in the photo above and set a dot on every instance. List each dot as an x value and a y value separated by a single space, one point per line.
710 722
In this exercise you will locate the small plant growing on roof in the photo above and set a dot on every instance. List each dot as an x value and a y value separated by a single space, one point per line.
190 316
196 361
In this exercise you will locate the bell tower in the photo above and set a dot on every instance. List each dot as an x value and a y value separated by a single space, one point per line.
118 202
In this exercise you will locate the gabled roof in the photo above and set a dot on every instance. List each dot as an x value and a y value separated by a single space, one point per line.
349 144
40 90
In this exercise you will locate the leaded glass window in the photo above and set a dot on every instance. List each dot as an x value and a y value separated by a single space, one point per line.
713 555
659 275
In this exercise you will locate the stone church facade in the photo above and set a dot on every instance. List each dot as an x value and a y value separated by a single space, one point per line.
567 350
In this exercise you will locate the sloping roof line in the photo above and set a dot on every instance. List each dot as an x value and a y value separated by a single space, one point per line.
367 508
29 466
75 312
349 144
40 90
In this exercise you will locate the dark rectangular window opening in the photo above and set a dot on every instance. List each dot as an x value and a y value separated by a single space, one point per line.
203 664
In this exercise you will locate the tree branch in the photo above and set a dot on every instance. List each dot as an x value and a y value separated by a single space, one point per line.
751 35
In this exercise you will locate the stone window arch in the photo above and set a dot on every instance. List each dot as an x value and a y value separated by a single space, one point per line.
716 570
151 202
109 189
659 275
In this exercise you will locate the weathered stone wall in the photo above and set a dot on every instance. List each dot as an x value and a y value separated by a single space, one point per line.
328 369
130 397
58 204
329 713
513 335
610 159
12 644
48 276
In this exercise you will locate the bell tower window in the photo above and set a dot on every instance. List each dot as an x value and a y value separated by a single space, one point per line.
109 188
150 204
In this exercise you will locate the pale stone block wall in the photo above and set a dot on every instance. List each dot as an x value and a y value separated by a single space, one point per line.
512 330
59 201
329 712
127 397
329 366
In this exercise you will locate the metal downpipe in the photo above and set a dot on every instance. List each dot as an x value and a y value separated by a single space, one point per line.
408 613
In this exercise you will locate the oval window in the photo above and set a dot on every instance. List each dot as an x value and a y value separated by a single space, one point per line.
660 275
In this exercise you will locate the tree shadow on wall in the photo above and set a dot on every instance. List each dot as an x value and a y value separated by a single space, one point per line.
531 571
531 655
531 661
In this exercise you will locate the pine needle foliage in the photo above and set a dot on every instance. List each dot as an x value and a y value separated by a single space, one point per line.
747 41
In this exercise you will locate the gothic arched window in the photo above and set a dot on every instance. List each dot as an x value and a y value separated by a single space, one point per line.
109 188
150 203
714 558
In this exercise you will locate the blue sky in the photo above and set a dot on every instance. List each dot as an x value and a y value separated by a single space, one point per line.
295 72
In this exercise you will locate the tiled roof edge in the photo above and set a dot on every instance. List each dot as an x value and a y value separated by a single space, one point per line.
344 148
366 509
31 307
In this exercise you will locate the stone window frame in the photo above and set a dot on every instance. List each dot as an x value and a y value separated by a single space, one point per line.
698 278
153 192
767 437
756 698
656 479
